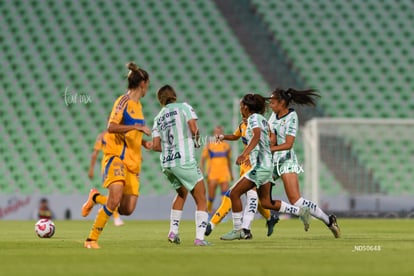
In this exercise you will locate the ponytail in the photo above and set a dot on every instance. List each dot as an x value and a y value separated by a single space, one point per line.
302 97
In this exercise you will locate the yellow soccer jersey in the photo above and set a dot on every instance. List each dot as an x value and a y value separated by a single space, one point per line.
217 156
126 146
241 132
100 141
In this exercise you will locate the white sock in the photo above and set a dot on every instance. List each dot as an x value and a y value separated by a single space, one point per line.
288 209
212 225
237 220
250 209
175 218
201 218
314 209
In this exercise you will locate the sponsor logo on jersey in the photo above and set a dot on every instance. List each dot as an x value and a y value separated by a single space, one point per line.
171 157
167 115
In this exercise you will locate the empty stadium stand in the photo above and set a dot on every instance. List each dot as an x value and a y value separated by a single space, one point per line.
63 65
358 55
350 50
54 51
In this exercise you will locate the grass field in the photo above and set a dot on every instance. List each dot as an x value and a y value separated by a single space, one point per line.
368 247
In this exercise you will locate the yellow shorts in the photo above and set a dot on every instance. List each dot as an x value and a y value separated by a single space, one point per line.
220 177
114 170
244 169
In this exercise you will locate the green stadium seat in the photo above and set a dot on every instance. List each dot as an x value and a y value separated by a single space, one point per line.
84 45
365 47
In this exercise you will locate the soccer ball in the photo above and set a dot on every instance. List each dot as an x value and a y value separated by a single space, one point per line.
45 228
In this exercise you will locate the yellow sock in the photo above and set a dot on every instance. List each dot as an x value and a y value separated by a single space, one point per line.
115 214
100 199
100 221
222 211
264 212
210 205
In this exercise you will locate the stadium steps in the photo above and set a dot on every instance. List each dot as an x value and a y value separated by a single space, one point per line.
358 59
82 47
354 48
264 50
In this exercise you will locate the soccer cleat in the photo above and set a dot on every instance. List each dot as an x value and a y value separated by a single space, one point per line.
198 242
233 235
118 222
208 229
274 219
247 234
88 205
174 238
304 215
91 245
333 225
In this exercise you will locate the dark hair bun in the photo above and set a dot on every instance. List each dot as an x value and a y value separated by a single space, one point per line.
132 66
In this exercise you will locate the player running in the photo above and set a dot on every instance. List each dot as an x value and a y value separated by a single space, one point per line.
122 155
216 162
284 126
99 146
252 202
175 135
252 107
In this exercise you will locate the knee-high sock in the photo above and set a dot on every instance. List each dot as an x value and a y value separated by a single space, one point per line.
222 211
201 218
210 202
289 209
237 220
264 212
175 218
100 221
115 214
250 209
100 199
314 209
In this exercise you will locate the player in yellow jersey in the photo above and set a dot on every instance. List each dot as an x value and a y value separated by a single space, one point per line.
99 145
216 164
122 155
251 202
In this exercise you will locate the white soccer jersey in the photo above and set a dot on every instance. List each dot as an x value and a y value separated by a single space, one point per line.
281 127
171 125
261 154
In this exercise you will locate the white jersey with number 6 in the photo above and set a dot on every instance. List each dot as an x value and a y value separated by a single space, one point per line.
171 125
